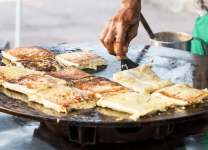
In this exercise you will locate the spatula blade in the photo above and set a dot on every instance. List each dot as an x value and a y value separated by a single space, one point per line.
127 63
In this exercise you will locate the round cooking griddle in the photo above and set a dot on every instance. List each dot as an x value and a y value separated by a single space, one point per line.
187 67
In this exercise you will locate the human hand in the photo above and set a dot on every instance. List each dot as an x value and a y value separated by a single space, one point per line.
122 27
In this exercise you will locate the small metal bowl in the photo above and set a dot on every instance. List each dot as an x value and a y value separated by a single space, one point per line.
176 40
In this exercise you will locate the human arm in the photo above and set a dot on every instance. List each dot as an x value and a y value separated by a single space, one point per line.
123 27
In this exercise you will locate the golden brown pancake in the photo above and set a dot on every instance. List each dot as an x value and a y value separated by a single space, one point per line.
181 94
43 64
33 83
8 73
70 73
62 99
99 86
141 79
81 60
26 53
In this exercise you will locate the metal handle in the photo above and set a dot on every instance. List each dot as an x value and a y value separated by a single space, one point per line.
204 45
146 26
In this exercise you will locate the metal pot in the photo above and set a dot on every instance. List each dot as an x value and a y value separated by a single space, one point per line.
177 40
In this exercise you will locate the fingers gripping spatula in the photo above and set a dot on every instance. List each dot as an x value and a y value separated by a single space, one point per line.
126 63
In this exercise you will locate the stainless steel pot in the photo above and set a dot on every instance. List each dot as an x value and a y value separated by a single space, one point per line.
177 40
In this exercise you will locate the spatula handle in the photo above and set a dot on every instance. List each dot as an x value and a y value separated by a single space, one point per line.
146 26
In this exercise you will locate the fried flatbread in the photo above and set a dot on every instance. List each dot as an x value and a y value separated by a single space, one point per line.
181 95
1 88
76 72
5 61
135 104
122 115
99 87
70 73
62 99
43 65
8 73
16 95
81 60
113 113
52 112
141 79
26 53
33 83
40 107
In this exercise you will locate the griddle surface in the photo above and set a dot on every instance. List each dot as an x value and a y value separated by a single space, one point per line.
189 68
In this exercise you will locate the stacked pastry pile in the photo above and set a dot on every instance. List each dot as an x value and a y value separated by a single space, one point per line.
34 71
59 84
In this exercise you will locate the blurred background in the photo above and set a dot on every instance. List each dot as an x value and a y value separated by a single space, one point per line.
58 21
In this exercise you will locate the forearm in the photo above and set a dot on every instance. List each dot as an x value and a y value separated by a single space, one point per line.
135 4
122 27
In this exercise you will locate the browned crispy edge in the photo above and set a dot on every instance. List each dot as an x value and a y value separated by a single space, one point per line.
33 64
31 76
84 85
80 61
21 57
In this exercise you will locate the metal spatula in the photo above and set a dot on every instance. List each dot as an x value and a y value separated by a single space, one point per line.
127 63
147 27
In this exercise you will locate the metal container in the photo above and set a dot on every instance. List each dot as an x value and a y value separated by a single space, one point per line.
176 40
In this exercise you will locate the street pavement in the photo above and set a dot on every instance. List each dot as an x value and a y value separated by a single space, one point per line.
74 21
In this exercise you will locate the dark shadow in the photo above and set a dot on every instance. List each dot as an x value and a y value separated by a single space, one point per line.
177 139
142 53
99 68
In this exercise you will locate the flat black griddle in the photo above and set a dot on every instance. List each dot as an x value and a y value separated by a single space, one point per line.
189 68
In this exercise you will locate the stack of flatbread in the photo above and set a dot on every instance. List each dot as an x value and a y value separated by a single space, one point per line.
51 81
57 83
